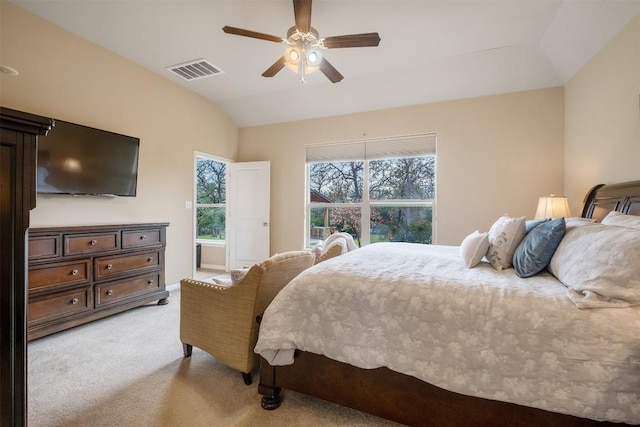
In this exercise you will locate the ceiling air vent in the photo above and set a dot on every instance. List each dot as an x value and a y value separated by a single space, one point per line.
195 69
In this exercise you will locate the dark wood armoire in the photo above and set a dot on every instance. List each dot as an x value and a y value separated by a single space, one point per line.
18 150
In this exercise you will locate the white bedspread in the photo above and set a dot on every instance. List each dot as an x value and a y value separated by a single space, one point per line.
417 310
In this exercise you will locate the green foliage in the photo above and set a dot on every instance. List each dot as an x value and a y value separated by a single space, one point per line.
402 224
210 222
317 217
414 233
210 189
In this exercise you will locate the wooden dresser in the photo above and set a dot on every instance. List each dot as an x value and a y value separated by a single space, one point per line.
83 273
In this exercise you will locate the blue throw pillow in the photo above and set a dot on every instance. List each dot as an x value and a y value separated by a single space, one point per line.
533 223
535 251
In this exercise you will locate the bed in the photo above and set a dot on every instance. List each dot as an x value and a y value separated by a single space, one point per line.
438 343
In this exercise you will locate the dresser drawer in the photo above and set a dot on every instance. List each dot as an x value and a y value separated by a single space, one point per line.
44 247
124 264
141 238
60 273
108 293
90 243
59 305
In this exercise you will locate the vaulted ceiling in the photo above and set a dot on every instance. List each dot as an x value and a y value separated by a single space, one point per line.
430 50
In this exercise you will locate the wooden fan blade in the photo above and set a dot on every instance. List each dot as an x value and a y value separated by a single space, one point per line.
352 40
253 34
302 12
273 70
330 71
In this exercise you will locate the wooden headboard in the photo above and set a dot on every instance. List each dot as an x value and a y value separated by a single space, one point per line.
602 199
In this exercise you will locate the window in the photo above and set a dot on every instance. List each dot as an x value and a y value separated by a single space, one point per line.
387 185
211 188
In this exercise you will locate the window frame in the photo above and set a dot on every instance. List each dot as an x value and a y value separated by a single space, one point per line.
367 203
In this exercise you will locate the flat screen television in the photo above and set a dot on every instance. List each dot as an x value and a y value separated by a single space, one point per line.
79 160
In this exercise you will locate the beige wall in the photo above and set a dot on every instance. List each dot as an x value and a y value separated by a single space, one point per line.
495 155
213 257
66 77
602 115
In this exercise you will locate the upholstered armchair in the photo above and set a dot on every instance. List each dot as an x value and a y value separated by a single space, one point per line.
221 318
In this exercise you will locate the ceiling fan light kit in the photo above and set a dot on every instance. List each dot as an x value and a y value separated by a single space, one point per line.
303 54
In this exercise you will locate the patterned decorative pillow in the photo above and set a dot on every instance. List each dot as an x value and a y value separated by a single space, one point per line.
504 237
535 251
599 264
618 218
473 248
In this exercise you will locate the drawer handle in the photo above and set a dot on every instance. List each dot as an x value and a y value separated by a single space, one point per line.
149 282
109 266
74 272
142 237
74 301
93 242
110 292
150 259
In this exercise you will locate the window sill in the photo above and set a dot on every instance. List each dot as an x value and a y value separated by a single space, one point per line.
212 243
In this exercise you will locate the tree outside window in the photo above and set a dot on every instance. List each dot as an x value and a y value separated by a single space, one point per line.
211 182
394 183
394 194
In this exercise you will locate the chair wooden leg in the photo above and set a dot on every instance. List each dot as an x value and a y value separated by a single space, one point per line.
187 349
247 378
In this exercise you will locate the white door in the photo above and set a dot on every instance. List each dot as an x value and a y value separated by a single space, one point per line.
248 206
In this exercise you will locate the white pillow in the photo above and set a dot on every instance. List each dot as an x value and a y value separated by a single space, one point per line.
317 249
351 244
576 221
600 265
234 277
473 248
504 237
618 218
222 281
348 238
338 241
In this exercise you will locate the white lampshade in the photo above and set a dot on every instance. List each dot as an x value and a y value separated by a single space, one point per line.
552 207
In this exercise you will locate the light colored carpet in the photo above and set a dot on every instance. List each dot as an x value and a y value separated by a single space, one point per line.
129 370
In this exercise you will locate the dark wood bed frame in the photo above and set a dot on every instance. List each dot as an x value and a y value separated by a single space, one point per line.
410 401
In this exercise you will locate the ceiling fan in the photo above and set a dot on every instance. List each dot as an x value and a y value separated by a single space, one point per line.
303 53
